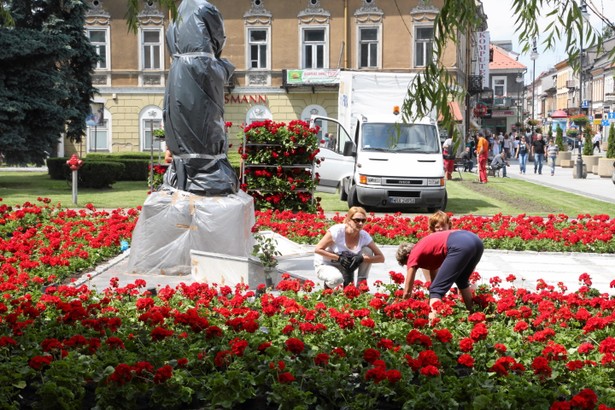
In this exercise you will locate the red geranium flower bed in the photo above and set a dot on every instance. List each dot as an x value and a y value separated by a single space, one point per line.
201 346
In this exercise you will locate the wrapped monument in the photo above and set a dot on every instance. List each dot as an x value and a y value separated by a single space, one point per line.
199 206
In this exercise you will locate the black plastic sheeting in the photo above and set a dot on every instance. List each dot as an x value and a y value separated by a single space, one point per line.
194 103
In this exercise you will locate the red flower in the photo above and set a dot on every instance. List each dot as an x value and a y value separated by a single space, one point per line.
321 359
294 345
541 367
479 332
376 374
371 355
393 376
443 335
430 371
38 362
163 374
466 344
585 399
466 360
286 378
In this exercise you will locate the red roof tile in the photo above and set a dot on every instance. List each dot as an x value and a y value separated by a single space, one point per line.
502 60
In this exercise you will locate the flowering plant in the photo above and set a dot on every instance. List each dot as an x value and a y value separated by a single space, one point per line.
277 167
213 346
580 119
555 233
157 175
532 122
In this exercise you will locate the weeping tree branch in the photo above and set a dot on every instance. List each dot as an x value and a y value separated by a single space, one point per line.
437 86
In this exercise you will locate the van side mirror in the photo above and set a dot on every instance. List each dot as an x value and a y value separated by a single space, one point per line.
349 149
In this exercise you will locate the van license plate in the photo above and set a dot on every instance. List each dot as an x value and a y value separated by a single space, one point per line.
401 200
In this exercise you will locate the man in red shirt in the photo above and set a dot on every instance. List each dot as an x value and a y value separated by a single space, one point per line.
482 154
451 257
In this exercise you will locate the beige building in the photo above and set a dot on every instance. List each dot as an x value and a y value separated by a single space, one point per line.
286 54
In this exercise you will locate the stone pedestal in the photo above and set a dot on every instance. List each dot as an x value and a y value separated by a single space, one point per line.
172 223
590 161
566 163
605 167
562 156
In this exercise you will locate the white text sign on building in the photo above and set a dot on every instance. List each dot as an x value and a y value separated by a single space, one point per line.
483 56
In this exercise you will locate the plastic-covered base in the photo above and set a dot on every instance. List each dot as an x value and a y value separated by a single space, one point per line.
173 222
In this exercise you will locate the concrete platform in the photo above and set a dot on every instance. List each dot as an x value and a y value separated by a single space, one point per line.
527 267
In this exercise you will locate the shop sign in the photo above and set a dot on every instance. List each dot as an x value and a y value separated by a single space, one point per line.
245 99
322 76
503 113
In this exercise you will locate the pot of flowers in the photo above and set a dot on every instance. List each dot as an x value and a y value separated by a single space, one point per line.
580 120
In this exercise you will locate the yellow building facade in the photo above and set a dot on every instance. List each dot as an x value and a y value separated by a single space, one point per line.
271 43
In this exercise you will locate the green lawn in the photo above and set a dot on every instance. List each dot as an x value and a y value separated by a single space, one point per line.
507 196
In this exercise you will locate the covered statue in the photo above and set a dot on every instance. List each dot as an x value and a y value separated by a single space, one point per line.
199 208
194 103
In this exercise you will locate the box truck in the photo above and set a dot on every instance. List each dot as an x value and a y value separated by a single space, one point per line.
371 156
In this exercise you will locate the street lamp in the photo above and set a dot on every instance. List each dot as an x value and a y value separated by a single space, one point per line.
583 7
533 57
519 80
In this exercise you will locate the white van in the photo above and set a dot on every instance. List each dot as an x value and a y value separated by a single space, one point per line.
373 158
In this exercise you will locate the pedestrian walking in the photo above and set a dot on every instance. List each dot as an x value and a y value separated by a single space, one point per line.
552 150
482 153
507 145
449 158
597 140
466 157
521 154
538 150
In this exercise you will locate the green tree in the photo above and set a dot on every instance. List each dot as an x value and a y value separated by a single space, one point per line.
610 151
46 62
588 146
559 138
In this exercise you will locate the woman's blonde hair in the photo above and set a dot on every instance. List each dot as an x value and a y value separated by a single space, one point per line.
438 218
353 211
403 252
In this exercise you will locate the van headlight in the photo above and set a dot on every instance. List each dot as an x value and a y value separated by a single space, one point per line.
366 180
435 182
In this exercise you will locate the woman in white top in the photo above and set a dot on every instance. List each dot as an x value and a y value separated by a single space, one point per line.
345 247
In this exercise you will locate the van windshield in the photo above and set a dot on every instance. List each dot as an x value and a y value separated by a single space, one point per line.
399 137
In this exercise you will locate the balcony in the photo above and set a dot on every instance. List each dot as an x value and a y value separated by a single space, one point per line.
571 84
475 84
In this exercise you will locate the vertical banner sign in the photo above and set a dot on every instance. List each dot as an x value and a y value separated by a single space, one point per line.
483 39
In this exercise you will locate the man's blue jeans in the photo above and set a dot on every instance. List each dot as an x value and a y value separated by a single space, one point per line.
538 158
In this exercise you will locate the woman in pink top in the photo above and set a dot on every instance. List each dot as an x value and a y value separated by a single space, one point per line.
453 254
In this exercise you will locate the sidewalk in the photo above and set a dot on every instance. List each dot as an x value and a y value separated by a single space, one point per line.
593 186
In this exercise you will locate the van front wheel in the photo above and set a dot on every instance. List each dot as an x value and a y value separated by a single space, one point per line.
353 200
442 206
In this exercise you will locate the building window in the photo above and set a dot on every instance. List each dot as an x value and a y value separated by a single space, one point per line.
499 86
423 46
151 120
98 128
98 39
368 47
258 48
314 48
151 49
